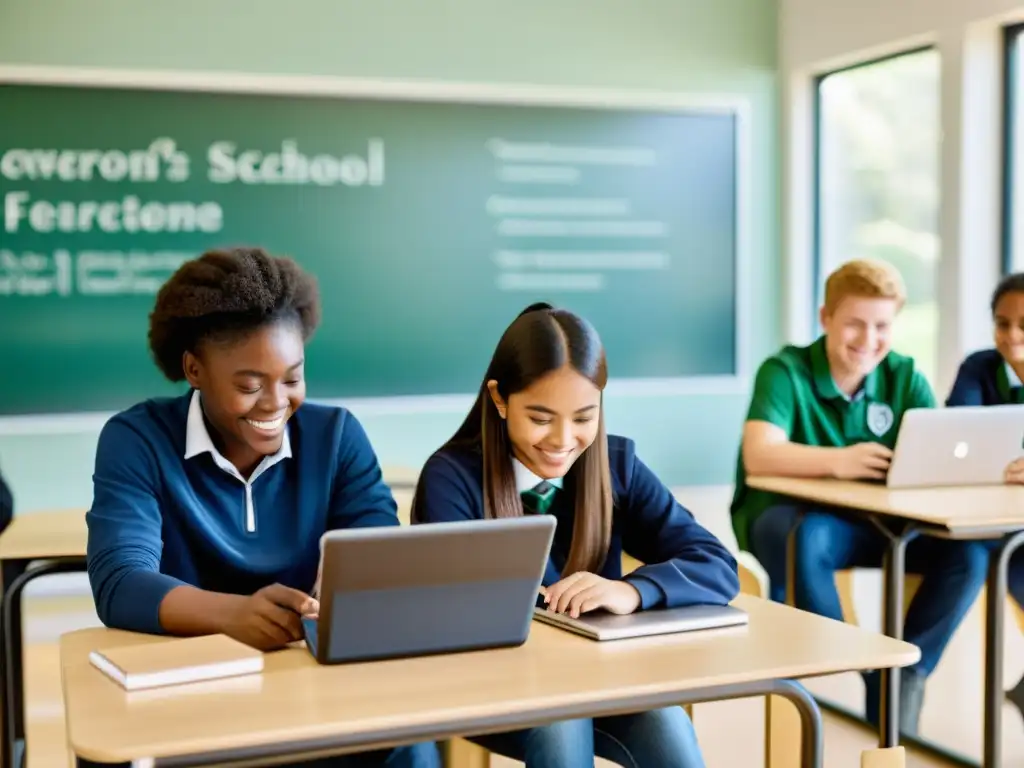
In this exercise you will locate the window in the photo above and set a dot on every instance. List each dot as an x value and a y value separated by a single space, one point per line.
1013 145
878 184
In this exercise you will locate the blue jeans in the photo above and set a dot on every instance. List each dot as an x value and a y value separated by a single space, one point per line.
661 738
425 755
1014 574
953 571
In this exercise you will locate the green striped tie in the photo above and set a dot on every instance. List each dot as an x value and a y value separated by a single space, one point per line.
539 498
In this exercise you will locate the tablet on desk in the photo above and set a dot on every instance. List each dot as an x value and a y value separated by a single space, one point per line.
601 625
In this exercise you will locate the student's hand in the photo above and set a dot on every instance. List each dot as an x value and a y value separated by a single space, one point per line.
863 461
271 618
583 592
1014 472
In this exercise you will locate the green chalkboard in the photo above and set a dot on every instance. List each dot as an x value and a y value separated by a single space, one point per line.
429 223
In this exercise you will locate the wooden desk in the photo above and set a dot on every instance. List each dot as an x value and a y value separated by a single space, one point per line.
401 477
39 544
957 512
35 544
44 535
297 709
968 511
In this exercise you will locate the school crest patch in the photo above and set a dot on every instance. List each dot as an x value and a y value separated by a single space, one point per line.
880 418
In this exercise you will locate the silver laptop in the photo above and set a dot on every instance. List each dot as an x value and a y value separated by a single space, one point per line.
430 588
968 445
601 625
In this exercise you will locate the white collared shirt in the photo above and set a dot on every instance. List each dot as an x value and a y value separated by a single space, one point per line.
527 480
198 441
1011 376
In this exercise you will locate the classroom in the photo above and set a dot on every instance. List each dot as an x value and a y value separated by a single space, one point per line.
683 175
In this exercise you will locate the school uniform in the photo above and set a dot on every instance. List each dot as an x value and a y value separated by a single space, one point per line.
168 510
6 504
684 564
985 378
795 391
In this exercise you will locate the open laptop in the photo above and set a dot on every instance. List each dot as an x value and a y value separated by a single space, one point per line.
969 445
601 625
431 588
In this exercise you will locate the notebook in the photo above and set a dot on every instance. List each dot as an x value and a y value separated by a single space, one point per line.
185 660
602 625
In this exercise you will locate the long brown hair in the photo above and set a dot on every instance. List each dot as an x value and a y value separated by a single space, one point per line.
539 341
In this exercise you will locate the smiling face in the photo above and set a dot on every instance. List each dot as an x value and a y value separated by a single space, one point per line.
250 388
551 422
1008 332
858 334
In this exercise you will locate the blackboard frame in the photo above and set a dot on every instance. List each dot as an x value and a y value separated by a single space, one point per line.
329 86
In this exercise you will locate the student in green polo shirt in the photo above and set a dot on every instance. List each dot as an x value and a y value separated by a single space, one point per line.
833 409
993 377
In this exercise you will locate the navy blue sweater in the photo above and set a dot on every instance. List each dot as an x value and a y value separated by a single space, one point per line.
6 504
684 563
983 380
159 520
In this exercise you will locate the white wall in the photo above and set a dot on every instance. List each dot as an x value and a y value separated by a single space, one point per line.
826 34
817 36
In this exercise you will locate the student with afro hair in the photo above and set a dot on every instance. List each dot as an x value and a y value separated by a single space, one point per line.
208 508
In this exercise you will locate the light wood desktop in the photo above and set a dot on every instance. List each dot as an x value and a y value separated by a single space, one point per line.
62 534
47 542
295 703
44 536
956 512
989 510
401 476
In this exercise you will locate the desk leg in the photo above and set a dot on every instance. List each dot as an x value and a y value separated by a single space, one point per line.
893 570
995 614
15 748
10 659
811 737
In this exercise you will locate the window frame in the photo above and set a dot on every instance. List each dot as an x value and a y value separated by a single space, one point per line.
817 272
1012 106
